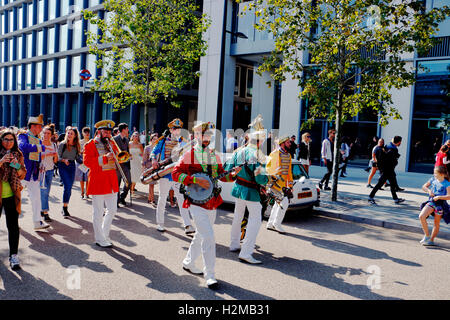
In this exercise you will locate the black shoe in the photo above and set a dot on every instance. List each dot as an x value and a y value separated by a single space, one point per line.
400 200
320 186
371 201
369 186
65 212
399 189
327 188
47 217
122 202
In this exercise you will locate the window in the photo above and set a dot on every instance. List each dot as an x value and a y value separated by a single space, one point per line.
29 45
2 50
19 77
51 40
51 9
1 24
94 3
78 5
28 76
20 18
11 21
64 8
249 90
30 14
19 48
92 67
63 38
39 75
41 11
11 48
40 43
76 67
50 73
10 77
77 33
62 72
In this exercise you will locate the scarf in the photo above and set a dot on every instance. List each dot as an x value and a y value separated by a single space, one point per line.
10 174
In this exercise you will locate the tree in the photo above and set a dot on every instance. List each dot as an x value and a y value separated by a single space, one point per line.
356 47
148 49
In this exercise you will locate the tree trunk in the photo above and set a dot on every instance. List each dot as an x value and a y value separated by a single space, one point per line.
146 120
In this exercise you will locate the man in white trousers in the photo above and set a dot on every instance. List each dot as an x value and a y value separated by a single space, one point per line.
246 191
162 151
32 148
102 181
202 159
279 168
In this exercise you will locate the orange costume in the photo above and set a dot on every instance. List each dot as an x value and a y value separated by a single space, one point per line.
102 174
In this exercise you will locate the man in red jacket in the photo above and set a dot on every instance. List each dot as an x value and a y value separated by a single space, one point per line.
201 158
102 181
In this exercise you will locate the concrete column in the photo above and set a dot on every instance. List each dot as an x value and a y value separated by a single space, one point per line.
263 98
290 107
55 110
81 110
23 110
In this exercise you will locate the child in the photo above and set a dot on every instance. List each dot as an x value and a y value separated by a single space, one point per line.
438 188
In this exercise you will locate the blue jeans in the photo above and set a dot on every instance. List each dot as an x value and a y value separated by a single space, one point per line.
67 174
45 192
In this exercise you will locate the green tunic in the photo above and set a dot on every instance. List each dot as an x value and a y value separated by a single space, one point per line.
246 154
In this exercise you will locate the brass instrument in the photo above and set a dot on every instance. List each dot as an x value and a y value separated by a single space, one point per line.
151 175
120 157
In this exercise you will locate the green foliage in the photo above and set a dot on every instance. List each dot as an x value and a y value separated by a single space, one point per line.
148 49
357 63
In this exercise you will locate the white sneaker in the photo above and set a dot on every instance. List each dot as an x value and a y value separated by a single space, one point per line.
189 230
160 228
250 260
14 262
279 229
192 269
270 227
41 225
211 283
104 244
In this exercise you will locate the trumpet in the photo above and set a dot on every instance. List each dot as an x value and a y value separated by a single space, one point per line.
120 157
151 175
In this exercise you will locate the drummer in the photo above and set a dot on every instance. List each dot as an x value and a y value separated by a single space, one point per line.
202 158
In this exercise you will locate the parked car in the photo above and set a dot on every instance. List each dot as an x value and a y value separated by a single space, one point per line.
306 193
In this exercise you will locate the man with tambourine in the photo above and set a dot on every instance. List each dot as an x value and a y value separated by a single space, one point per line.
202 159
279 168
247 191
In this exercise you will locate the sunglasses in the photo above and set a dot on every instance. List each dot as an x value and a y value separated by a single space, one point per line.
8 139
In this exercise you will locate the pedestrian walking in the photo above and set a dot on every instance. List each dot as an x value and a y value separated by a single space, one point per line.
147 164
31 147
304 153
137 152
373 163
327 158
12 170
49 160
345 152
123 143
387 163
442 157
293 148
81 171
68 152
438 190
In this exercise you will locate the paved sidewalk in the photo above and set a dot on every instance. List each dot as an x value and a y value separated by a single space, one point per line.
352 202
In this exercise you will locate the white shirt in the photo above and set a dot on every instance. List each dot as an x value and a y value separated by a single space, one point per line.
142 138
326 150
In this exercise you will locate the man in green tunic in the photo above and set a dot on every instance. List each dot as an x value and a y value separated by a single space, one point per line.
246 191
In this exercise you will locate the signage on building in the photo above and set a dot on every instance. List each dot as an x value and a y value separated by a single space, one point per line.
85 74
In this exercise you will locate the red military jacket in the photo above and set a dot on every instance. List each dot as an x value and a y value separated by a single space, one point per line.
194 161
102 177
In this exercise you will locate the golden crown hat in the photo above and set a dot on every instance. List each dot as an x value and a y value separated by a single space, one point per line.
257 131
105 125
175 123
36 120
204 127
283 139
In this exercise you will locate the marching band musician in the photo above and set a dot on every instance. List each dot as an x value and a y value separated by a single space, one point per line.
280 172
246 190
201 158
103 184
163 150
